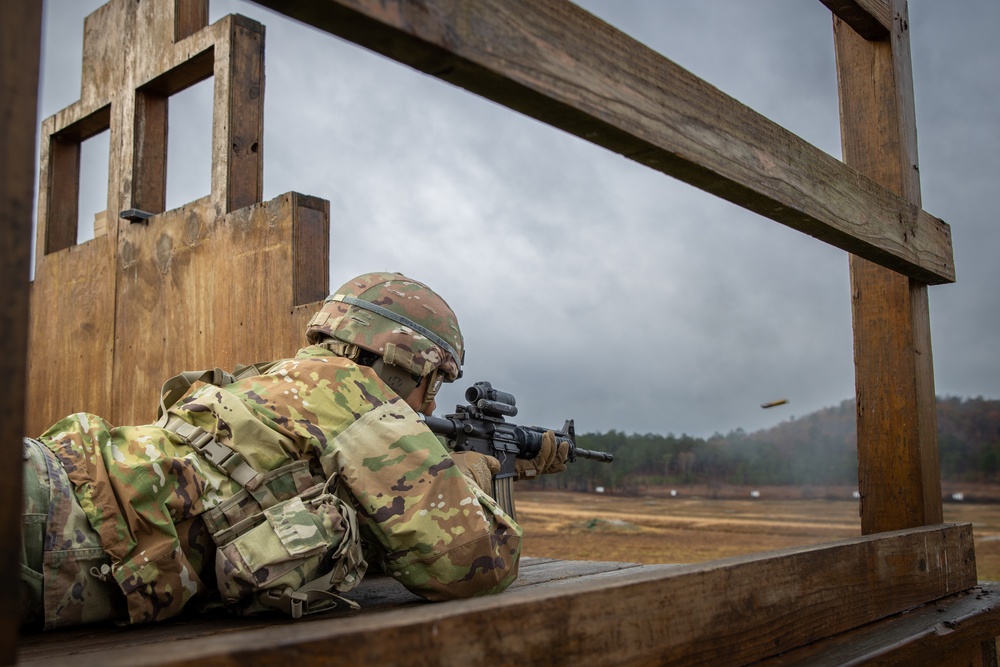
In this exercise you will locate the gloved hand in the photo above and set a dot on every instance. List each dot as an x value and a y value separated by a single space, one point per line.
478 467
551 458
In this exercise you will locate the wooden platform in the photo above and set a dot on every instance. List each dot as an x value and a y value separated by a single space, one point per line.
816 605
193 639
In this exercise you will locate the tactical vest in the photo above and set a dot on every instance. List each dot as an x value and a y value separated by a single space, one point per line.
286 540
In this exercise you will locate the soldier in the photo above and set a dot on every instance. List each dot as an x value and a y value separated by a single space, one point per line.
274 487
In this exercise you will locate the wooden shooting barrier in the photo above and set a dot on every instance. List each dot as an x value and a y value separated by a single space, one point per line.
228 274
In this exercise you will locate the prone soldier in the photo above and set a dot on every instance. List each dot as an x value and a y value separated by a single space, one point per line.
274 487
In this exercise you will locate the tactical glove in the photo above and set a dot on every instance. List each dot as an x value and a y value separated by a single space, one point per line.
551 458
478 467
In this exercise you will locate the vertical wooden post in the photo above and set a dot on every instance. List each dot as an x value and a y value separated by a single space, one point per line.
898 466
149 160
20 43
243 111
64 195
190 16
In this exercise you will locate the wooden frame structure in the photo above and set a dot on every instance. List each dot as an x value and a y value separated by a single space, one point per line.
553 61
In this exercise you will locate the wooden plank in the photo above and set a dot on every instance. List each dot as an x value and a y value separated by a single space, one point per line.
897 426
149 166
727 612
190 16
950 631
872 19
555 62
20 46
72 347
376 594
311 256
244 112
196 291
64 196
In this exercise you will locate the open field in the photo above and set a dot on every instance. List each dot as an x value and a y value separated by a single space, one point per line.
652 529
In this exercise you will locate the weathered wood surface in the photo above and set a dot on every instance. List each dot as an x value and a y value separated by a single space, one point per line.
20 46
898 467
196 292
958 630
726 612
113 317
555 62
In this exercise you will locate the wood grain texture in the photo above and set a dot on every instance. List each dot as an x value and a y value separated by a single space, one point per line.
899 471
244 112
957 630
198 292
376 594
149 167
20 46
872 19
190 16
727 612
311 249
64 196
552 61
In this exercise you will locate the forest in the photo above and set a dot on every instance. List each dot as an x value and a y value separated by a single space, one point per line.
819 449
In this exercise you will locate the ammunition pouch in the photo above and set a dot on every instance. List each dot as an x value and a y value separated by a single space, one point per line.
295 556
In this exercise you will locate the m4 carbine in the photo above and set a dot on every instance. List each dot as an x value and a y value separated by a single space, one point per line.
480 427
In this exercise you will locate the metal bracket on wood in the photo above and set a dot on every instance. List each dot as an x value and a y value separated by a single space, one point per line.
135 215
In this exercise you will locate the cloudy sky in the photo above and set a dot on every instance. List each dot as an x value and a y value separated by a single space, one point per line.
587 285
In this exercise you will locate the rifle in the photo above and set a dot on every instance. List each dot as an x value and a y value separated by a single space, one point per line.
480 427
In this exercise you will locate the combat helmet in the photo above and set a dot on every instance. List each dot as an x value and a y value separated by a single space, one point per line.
409 329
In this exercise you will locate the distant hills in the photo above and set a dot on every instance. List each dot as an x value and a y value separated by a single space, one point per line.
816 449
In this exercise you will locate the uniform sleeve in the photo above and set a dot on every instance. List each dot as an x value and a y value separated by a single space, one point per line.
440 535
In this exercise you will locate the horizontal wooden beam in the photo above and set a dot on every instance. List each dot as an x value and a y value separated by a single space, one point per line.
950 631
726 612
551 60
872 19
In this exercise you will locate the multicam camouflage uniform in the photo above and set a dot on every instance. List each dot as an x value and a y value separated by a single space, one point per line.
152 500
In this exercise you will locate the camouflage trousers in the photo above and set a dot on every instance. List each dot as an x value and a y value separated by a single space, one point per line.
65 574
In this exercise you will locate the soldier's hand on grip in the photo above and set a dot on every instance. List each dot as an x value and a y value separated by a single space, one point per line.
479 467
551 458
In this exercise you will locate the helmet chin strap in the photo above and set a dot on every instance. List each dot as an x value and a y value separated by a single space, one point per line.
430 393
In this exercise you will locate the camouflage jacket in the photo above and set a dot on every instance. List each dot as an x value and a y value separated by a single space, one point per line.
144 489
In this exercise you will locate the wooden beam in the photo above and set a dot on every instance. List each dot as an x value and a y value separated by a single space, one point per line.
555 62
898 468
872 19
64 195
20 46
149 158
956 630
190 16
310 249
726 612
244 112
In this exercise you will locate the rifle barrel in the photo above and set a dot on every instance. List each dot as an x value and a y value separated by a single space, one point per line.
603 457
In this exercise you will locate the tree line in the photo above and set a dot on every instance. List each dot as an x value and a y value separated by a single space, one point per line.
819 449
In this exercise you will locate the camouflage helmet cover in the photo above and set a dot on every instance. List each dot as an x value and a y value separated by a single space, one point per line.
401 320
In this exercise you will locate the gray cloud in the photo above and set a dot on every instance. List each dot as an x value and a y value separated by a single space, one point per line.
588 285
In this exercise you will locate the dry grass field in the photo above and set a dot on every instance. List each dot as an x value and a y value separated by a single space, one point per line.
690 529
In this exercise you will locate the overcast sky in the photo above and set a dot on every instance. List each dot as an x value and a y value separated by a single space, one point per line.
587 285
